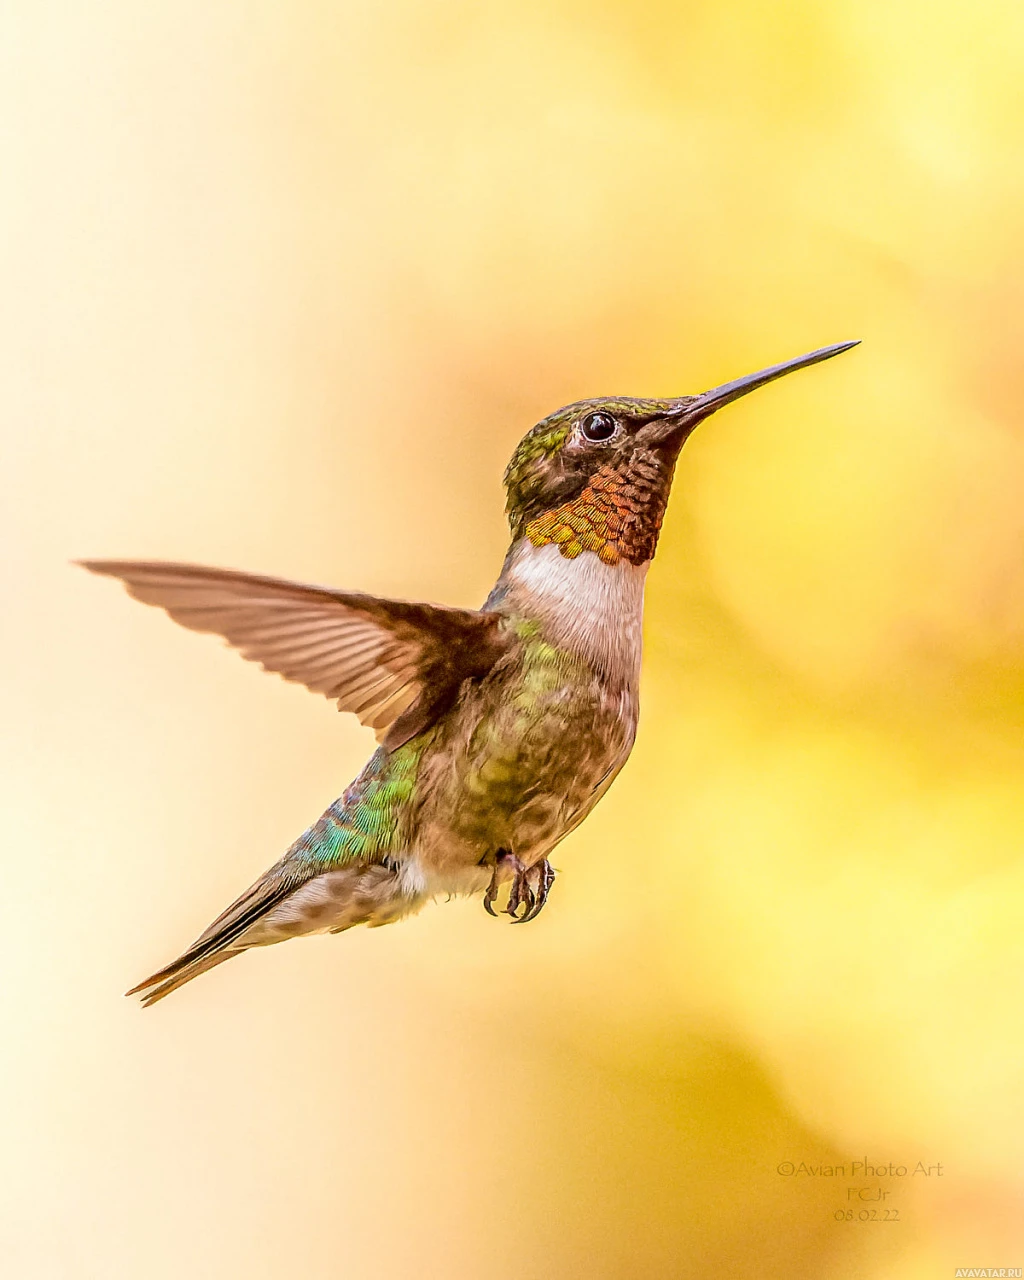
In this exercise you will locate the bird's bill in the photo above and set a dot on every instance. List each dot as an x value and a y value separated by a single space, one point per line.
694 409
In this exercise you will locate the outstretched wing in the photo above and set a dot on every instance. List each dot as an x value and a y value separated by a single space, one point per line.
396 664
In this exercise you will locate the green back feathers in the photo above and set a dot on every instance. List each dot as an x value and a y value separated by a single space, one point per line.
364 824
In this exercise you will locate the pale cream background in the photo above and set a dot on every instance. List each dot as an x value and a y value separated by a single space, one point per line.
282 284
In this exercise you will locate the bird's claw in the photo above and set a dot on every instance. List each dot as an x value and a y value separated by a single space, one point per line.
530 890
504 863
490 896
530 887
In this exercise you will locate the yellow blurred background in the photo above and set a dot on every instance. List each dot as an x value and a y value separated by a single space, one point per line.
282 286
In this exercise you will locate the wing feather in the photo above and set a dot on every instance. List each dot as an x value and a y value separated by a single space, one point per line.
396 664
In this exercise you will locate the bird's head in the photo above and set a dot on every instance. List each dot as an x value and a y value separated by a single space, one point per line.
595 476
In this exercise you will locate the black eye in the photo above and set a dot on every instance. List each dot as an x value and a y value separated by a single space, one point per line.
598 427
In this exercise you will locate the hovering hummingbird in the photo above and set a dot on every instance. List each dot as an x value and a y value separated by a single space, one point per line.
499 728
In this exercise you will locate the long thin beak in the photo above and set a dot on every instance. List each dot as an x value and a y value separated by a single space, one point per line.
694 409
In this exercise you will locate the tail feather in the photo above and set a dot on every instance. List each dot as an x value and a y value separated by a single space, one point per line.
214 944
181 975
334 876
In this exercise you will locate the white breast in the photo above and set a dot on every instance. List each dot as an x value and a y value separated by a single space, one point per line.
593 608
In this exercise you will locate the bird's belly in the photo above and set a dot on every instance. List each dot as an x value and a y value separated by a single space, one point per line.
522 779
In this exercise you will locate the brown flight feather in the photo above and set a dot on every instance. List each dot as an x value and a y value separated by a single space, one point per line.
396 664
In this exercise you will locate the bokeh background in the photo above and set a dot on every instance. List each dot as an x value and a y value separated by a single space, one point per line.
282 286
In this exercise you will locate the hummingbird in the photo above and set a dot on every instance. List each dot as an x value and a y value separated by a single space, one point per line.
499 728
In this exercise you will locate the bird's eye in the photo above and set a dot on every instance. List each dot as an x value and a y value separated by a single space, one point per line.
598 427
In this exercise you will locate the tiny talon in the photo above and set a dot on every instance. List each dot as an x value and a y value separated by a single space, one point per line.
502 862
538 882
516 896
520 895
532 912
492 890
529 902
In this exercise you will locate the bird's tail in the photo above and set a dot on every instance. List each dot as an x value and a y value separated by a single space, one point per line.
336 875
223 938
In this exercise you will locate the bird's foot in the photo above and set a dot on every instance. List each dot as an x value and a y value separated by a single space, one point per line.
530 890
506 866
530 887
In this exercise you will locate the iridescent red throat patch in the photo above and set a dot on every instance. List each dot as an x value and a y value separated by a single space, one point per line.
618 515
